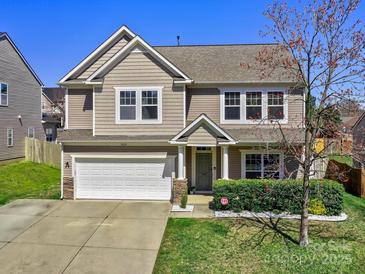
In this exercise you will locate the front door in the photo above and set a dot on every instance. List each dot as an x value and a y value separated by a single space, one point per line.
204 172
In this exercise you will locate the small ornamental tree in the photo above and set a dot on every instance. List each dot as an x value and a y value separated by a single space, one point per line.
326 47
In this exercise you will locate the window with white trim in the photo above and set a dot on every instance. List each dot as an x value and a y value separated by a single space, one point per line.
139 105
4 94
253 105
31 132
10 137
262 165
275 105
232 106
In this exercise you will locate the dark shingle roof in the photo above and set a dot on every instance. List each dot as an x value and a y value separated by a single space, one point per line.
222 63
56 95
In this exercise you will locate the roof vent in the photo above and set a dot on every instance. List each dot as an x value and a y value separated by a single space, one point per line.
178 40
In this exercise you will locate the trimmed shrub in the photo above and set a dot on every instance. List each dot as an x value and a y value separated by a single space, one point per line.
259 195
316 207
184 199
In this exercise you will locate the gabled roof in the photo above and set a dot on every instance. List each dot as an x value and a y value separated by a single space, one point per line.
6 36
92 56
127 49
203 119
223 63
358 120
55 95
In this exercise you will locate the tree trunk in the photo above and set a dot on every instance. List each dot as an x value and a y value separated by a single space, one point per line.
304 222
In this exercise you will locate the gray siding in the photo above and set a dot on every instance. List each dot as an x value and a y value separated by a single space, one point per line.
202 136
139 69
24 99
80 109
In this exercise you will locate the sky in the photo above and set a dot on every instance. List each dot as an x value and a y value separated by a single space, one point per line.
55 35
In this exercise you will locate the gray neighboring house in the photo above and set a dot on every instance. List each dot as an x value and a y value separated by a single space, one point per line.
53 101
358 141
20 101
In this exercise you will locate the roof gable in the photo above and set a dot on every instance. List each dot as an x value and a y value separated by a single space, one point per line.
4 35
135 43
203 121
97 53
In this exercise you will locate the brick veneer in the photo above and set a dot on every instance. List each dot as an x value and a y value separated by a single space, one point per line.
68 187
180 186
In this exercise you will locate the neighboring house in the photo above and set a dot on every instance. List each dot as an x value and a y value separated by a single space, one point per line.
20 101
53 100
358 141
139 117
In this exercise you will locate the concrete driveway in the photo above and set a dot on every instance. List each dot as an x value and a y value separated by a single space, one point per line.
46 236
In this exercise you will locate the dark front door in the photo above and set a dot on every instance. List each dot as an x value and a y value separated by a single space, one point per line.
203 172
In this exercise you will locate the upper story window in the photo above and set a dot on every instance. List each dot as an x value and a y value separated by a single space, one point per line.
139 105
10 137
3 94
232 106
253 106
275 105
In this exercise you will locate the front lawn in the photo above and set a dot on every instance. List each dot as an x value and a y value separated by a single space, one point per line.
28 180
250 246
344 159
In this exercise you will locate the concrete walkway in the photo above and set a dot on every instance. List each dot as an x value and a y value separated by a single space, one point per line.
201 207
46 236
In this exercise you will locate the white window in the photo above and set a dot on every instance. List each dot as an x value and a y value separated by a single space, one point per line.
49 134
10 137
138 105
31 132
262 165
253 105
275 105
3 94
232 106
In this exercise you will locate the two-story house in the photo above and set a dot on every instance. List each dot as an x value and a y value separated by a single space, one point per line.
141 118
20 101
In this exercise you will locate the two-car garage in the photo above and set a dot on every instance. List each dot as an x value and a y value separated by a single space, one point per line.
123 176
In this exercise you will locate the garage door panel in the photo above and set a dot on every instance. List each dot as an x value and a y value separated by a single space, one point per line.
124 178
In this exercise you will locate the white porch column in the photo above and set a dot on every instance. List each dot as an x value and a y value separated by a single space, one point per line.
181 162
225 170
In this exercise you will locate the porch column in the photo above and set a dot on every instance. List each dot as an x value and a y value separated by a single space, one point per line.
225 165
181 162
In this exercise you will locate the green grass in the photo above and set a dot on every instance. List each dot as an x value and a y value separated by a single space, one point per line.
248 246
342 159
28 180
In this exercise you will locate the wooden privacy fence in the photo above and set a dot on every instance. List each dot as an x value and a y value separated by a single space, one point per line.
352 178
42 152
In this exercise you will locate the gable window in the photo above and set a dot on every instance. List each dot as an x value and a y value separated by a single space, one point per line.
232 106
3 94
31 132
253 105
10 137
261 165
149 105
275 105
139 105
127 105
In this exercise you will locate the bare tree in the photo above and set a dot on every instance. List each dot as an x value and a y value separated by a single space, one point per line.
326 47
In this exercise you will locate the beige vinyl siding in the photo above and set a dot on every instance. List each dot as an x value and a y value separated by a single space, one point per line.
24 99
69 150
202 136
104 57
80 108
138 69
207 100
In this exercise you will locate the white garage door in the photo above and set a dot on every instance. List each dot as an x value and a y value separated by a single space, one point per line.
124 178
